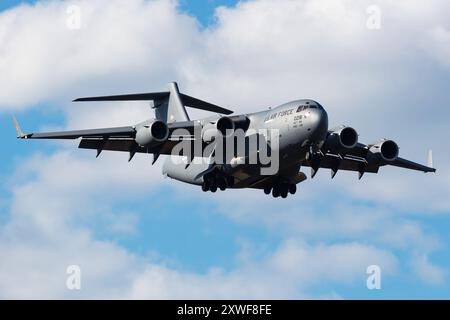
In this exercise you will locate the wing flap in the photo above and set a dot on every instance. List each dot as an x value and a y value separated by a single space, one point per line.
126 145
111 145
349 163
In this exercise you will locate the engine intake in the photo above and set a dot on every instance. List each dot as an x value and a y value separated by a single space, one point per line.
385 150
153 133
224 126
241 122
341 138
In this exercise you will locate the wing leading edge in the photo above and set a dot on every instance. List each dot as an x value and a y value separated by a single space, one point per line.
407 164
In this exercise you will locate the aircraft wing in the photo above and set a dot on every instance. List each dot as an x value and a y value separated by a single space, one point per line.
113 139
356 160
404 163
118 132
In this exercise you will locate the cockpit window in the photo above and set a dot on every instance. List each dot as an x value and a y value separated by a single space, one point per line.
313 106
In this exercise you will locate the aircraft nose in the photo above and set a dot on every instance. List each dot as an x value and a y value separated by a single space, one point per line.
318 120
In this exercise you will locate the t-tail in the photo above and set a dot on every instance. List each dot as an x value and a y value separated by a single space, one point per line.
169 105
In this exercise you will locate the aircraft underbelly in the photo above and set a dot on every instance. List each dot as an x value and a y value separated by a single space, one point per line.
246 176
176 169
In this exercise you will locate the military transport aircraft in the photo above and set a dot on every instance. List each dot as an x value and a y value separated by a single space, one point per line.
301 138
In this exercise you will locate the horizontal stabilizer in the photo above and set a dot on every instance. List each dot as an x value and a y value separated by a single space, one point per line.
128 97
203 105
187 100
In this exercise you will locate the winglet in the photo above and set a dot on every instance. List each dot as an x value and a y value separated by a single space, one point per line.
430 159
19 133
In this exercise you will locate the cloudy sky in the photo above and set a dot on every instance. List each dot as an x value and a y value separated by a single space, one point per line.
381 66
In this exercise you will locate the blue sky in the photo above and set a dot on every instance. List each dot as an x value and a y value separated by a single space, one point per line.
11 3
308 247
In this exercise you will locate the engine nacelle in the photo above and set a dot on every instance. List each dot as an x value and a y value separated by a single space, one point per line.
223 127
241 122
340 139
384 151
153 133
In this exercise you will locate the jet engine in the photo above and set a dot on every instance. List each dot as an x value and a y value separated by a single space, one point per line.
224 126
152 133
340 139
384 151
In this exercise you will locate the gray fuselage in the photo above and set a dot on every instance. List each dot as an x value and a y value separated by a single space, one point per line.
301 124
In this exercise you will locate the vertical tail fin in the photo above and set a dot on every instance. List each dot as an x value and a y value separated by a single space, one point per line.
171 109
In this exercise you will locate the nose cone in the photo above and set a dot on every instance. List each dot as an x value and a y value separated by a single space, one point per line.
318 123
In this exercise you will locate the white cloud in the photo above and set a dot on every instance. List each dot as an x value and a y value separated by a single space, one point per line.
428 272
439 45
118 43
293 268
58 198
35 267
49 230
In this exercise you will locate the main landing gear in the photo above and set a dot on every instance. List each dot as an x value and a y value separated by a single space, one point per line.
281 189
216 181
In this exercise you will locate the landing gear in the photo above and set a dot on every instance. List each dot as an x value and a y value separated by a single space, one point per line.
217 180
284 191
281 190
276 191
292 189
221 183
230 181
